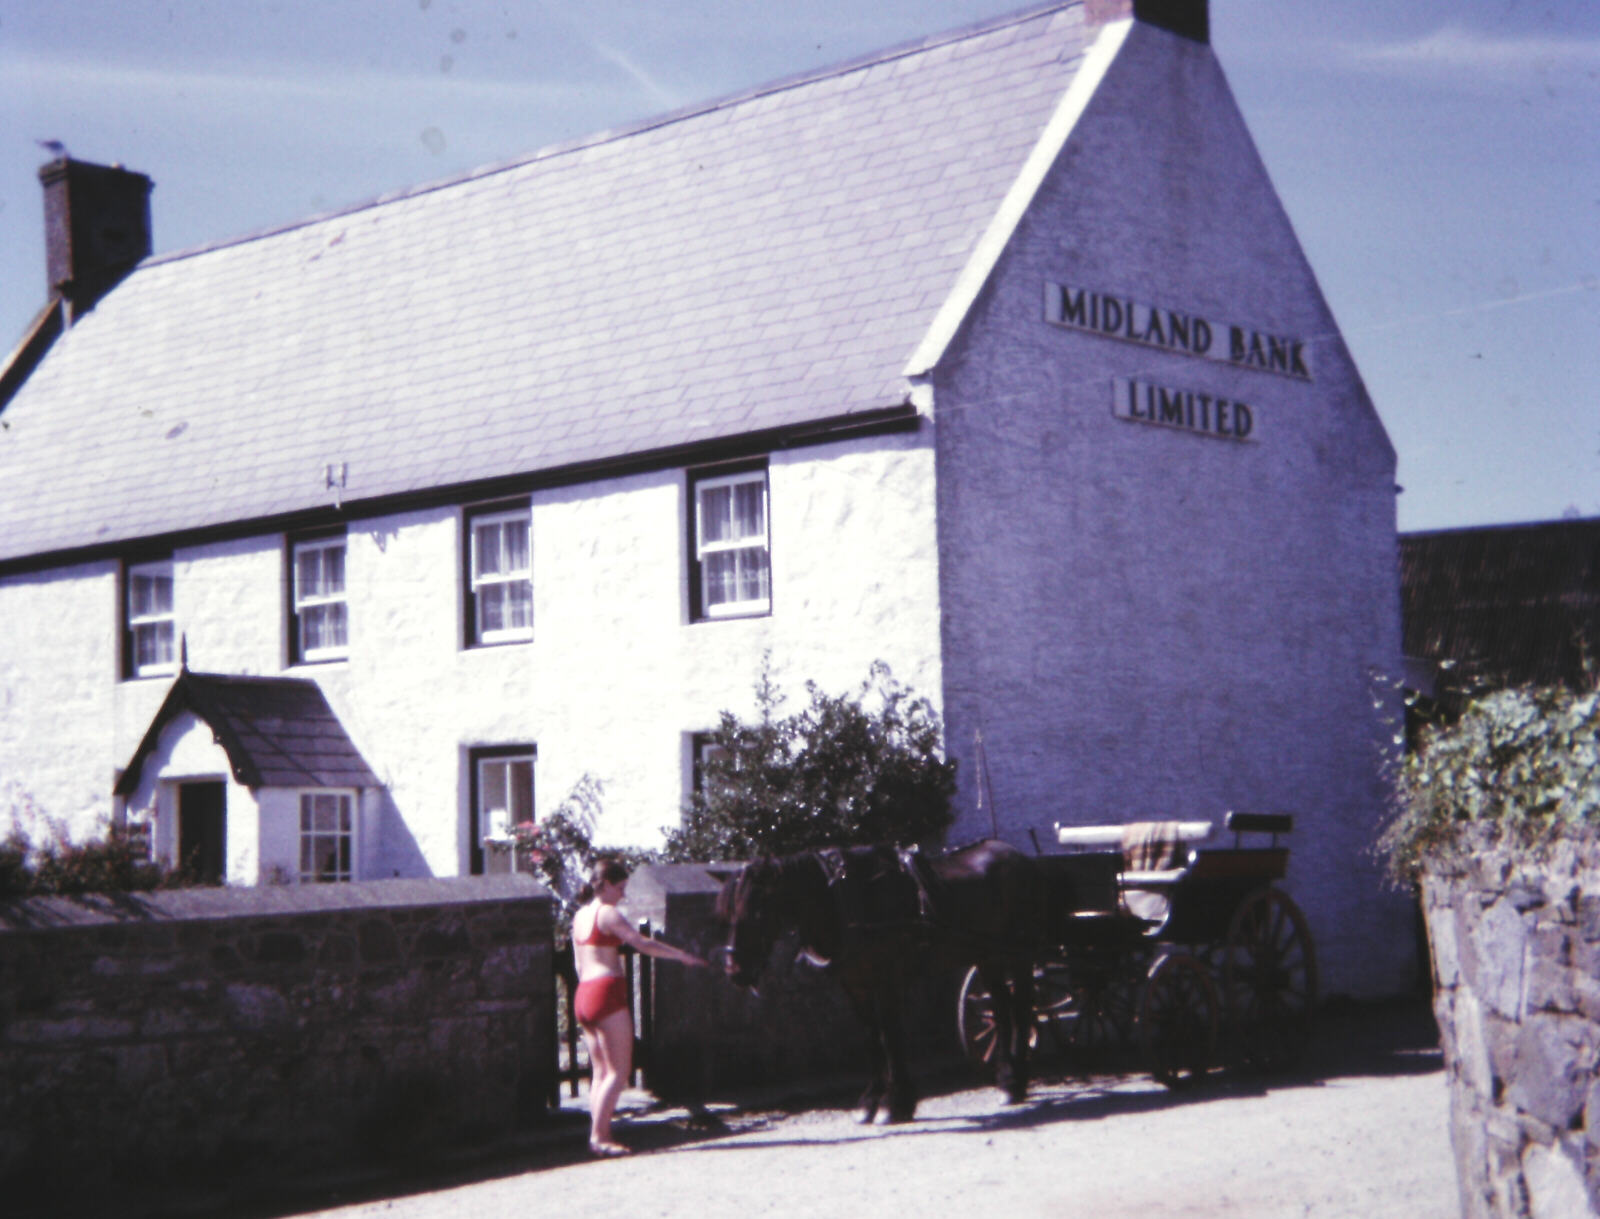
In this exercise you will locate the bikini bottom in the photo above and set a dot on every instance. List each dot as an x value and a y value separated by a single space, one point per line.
600 997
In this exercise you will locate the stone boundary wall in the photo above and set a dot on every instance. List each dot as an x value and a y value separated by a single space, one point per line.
144 1036
1516 959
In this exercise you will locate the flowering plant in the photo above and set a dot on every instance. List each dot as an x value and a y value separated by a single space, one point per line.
560 845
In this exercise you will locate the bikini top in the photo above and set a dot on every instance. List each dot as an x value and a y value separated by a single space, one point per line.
599 939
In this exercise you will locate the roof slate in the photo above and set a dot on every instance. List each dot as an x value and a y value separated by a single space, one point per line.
276 731
1510 604
763 261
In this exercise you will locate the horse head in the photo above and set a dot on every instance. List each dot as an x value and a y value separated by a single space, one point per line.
751 904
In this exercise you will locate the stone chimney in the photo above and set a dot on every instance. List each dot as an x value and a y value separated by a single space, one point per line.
1189 18
96 229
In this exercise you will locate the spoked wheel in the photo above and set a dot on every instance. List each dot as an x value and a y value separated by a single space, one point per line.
975 1016
1055 1003
1107 1011
1178 1019
1270 980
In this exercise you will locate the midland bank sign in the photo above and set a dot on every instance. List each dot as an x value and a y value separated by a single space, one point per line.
1185 409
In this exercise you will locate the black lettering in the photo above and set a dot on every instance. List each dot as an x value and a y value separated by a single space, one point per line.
1171 407
1110 315
1222 415
1153 332
1072 310
1297 362
1258 357
1202 336
1205 412
1127 328
1178 329
1277 353
1243 421
1236 351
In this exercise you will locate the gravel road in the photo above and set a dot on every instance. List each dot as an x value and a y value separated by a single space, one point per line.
1361 1133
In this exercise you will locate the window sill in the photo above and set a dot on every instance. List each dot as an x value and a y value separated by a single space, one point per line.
480 645
764 611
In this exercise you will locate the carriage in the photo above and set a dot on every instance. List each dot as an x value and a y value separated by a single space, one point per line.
1164 942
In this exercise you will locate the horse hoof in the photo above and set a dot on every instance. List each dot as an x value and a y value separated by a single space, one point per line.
867 1117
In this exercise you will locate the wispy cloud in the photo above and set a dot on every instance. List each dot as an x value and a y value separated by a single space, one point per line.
1452 48
658 93
34 74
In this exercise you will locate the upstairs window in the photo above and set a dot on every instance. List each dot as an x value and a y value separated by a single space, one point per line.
320 621
499 575
327 837
151 629
731 572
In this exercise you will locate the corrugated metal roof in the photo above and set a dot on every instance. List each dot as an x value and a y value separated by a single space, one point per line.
276 731
767 260
1508 605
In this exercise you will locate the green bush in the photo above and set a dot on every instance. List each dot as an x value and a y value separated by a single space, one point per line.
113 864
843 770
1520 766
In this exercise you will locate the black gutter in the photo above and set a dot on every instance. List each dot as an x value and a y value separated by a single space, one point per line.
881 420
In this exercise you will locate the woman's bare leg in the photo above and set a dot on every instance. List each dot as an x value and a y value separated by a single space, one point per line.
611 1053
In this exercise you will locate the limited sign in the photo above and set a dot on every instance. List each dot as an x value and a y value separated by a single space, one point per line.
1187 410
1118 317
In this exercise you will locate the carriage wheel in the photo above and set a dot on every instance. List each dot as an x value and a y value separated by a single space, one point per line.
1106 1015
1177 1020
1055 1003
975 1019
1270 980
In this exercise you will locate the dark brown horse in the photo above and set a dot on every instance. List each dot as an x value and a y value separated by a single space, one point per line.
874 915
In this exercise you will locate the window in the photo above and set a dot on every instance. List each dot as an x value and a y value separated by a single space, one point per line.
327 837
499 575
151 628
730 576
319 625
502 795
703 750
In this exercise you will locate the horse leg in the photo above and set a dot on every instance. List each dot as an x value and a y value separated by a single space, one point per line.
872 1100
999 983
900 1093
1021 1030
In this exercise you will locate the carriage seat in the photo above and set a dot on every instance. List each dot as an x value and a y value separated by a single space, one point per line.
1156 855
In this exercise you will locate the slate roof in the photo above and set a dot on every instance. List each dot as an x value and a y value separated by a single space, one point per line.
1510 604
276 731
768 260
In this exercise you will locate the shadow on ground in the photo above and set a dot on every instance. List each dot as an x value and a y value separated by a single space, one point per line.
1387 1039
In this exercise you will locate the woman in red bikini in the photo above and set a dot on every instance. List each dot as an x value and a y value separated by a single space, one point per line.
601 1004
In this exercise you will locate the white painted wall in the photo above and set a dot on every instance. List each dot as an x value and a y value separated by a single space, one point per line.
1147 623
613 679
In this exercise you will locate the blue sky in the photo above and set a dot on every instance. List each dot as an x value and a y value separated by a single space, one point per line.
1437 157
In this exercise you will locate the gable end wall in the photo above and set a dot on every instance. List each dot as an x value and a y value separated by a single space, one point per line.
1143 622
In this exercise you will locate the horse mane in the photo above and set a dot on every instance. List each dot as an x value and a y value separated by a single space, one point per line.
774 876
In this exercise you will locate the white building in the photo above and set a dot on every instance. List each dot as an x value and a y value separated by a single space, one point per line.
994 357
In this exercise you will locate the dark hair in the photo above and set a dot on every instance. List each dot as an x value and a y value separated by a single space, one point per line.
604 870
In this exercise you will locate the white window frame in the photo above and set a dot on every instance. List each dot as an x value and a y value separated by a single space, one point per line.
747 607
153 620
494 824
346 802
479 581
304 602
